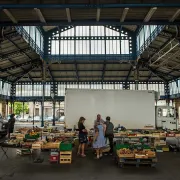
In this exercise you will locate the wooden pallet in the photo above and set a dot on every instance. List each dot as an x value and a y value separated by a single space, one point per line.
65 157
137 162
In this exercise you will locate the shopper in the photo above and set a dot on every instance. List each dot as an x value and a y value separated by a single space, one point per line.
11 123
98 120
82 137
99 139
109 134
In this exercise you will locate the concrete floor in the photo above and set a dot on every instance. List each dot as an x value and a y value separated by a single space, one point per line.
88 169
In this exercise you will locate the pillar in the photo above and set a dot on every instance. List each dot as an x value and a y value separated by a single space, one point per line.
177 107
59 109
7 108
43 91
136 77
33 111
54 103
23 110
167 93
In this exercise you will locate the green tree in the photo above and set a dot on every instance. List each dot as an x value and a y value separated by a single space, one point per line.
18 108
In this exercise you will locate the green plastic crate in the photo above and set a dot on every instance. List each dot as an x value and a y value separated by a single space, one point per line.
121 146
27 136
142 146
65 146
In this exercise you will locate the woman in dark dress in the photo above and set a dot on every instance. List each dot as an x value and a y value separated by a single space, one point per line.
82 137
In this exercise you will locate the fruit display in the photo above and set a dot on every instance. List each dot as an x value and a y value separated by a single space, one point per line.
13 142
125 153
129 153
144 154
32 132
150 153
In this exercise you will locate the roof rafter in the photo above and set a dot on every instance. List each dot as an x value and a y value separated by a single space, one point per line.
98 14
150 76
77 73
25 73
93 70
166 52
129 72
24 70
19 51
103 71
17 65
175 15
11 17
22 51
156 74
124 14
50 73
150 14
89 6
59 77
169 40
40 15
68 14
160 74
90 22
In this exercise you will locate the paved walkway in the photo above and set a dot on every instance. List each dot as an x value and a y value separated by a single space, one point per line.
88 169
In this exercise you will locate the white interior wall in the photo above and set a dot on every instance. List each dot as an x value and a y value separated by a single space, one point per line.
132 109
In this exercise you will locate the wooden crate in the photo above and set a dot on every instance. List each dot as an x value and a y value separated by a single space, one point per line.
51 146
126 155
36 146
139 156
65 157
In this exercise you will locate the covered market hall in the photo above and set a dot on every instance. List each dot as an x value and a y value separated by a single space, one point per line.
64 63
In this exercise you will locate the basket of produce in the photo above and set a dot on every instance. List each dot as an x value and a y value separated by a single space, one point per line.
32 135
126 153
151 154
141 156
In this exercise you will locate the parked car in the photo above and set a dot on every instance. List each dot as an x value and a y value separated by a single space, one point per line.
48 118
37 118
61 119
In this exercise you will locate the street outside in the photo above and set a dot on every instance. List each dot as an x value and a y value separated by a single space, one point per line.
19 125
